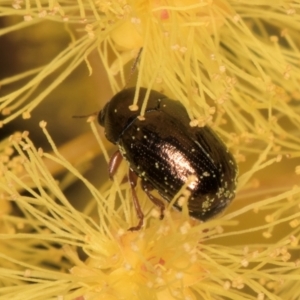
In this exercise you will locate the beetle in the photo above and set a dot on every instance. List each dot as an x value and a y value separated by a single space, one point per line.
165 151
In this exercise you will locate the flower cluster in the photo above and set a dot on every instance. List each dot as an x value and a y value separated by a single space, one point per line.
235 66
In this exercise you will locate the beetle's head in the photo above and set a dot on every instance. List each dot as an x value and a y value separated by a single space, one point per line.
116 115
101 115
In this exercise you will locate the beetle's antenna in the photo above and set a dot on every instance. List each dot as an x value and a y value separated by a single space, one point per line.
86 116
133 67
132 70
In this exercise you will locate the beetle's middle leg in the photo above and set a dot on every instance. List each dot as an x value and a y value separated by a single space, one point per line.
147 187
132 180
113 166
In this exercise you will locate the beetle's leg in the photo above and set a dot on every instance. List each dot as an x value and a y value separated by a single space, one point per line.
132 180
147 187
114 163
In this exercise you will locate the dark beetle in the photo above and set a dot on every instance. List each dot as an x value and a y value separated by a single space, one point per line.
164 151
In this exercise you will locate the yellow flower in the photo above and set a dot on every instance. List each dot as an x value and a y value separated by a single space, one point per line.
235 67
97 258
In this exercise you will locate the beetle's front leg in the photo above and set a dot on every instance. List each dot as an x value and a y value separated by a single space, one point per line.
132 180
114 163
147 187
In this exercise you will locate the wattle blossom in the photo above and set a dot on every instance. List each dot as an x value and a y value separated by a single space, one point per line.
234 65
